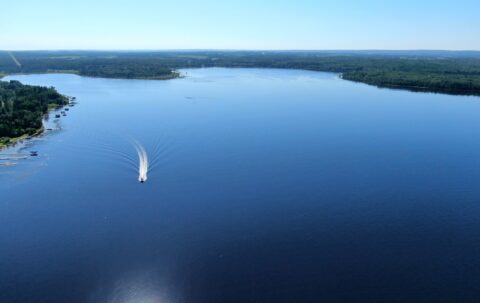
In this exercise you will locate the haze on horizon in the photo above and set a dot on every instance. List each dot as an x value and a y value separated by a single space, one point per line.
189 24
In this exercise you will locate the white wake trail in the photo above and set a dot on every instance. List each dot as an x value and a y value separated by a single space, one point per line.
142 162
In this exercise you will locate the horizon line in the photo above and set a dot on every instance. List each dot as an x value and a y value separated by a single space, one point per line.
242 49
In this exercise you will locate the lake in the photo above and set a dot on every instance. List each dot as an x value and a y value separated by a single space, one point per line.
265 186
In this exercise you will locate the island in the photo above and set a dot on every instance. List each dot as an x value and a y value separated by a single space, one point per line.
22 108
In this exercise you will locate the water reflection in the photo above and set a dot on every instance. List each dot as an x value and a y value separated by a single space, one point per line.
139 288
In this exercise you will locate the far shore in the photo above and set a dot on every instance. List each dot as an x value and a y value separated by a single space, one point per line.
174 75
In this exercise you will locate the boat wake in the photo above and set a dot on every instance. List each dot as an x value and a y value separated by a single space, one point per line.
128 153
142 162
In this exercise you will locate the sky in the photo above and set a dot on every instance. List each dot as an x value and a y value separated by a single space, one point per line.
247 24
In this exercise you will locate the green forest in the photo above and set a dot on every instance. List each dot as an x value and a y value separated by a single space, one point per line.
430 71
22 108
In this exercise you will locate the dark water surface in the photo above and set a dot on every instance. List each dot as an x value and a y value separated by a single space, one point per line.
269 186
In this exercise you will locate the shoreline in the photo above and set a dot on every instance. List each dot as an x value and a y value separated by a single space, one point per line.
14 141
174 75
419 89
40 131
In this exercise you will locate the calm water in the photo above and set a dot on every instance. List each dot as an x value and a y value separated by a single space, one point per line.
269 186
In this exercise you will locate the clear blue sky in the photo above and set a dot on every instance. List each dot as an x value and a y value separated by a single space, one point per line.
247 24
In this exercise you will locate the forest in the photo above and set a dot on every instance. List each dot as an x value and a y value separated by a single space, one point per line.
431 71
22 108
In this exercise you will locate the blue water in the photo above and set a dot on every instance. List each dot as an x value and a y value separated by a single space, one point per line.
269 186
